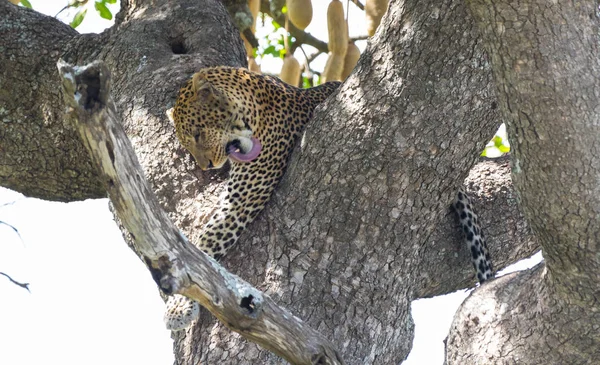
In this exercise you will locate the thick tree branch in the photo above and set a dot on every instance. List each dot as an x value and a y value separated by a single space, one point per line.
176 266
542 69
39 156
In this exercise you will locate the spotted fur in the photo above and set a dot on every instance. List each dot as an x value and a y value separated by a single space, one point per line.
474 236
221 106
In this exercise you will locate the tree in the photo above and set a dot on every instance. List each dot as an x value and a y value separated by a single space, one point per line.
360 225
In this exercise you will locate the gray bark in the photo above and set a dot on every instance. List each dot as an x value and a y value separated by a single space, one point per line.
360 225
40 156
544 57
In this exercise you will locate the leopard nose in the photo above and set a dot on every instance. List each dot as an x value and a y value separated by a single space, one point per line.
210 164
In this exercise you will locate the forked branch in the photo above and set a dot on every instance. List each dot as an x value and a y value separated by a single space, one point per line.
176 265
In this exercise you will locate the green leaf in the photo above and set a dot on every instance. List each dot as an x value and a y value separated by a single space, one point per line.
504 149
275 25
272 50
111 1
269 50
103 11
284 9
498 141
306 82
78 18
26 4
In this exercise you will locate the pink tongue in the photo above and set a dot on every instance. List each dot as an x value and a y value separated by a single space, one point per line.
237 156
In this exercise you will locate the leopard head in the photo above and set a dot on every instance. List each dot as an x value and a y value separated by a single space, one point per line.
213 124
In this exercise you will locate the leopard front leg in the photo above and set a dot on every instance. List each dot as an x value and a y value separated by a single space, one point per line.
250 187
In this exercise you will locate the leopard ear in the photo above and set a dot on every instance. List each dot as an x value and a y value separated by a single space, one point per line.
205 91
170 115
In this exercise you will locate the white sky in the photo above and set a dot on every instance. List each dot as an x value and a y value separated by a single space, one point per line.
92 301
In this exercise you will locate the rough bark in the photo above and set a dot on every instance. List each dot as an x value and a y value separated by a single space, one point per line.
544 57
40 155
354 233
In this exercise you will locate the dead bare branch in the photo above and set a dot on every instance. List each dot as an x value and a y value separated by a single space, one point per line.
22 285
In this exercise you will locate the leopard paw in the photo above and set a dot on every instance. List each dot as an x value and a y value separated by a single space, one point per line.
181 312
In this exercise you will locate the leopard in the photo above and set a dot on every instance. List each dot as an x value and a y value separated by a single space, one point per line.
252 120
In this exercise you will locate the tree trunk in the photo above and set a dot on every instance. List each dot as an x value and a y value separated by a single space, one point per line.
360 225
544 57
343 246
